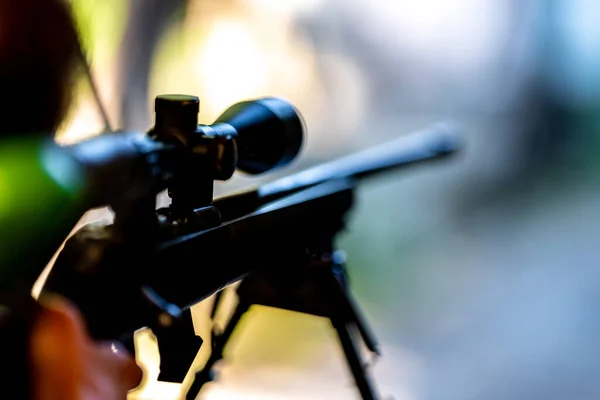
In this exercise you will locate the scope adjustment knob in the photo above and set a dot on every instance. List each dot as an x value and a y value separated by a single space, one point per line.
176 112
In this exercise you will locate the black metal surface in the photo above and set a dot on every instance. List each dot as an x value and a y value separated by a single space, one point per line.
188 269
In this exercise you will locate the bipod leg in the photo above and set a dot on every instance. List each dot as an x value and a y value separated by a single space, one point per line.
351 351
218 343
354 314
364 330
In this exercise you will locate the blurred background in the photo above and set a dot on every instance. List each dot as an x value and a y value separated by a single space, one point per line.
479 276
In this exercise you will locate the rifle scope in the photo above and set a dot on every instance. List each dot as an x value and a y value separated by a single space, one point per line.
251 136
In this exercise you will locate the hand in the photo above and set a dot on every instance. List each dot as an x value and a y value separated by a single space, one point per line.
67 364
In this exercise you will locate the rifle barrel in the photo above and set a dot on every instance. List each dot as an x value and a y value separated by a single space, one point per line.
436 142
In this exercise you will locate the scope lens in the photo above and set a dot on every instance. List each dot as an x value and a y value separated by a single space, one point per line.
270 133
